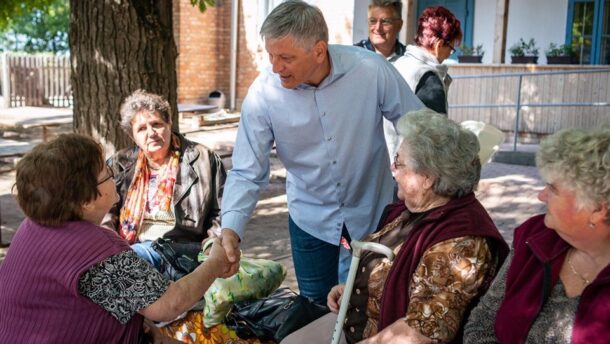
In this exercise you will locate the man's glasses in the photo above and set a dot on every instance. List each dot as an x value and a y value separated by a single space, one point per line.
385 22
110 175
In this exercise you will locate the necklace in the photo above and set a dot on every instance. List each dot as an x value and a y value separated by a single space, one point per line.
582 278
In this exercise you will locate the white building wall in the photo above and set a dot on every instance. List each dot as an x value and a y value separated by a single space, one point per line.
483 27
543 20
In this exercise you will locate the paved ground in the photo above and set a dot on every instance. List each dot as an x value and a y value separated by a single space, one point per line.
507 191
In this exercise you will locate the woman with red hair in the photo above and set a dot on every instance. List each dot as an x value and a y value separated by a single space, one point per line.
438 32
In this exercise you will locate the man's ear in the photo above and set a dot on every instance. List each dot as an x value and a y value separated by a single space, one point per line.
320 50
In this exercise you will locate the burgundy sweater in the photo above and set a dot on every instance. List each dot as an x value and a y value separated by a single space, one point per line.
39 297
463 216
539 254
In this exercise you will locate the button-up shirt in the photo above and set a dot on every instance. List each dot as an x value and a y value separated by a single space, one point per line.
329 138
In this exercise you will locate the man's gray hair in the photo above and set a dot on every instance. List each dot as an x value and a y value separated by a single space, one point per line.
140 101
580 160
441 149
303 22
395 5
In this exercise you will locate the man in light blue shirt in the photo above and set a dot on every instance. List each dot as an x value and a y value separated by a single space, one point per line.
323 107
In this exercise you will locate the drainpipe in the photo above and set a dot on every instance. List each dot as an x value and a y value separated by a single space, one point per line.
6 81
233 58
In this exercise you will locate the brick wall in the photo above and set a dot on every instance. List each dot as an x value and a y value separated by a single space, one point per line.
203 41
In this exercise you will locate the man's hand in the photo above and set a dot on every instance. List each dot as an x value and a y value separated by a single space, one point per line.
217 259
230 242
333 300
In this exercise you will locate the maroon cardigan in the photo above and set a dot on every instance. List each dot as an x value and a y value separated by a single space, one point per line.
539 254
463 216
39 297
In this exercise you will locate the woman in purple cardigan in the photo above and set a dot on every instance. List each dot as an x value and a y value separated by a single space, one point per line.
555 288
65 279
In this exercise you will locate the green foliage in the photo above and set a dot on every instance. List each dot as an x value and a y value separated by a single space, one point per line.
36 29
561 50
523 48
203 4
467 50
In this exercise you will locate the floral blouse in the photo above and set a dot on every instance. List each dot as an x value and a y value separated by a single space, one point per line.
123 284
448 277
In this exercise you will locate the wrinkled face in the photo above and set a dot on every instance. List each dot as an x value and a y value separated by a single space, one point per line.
562 213
413 188
384 25
294 64
151 134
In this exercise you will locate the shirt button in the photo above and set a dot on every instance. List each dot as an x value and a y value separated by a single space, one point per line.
334 162
351 329
363 269
323 114
357 310
358 291
339 184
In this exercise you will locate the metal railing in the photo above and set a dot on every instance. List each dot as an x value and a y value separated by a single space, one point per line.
518 103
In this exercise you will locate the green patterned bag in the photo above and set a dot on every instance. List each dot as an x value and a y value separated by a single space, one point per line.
256 278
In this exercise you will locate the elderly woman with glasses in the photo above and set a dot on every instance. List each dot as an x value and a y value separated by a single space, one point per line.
65 278
555 287
447 247
169 187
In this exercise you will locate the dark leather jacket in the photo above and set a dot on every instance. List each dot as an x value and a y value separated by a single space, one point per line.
197 192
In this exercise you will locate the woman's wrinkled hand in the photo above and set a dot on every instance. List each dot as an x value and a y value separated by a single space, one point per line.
333 300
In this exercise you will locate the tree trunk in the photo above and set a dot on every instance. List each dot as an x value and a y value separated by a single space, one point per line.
117 47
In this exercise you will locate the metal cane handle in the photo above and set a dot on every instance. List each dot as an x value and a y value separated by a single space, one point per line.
357 248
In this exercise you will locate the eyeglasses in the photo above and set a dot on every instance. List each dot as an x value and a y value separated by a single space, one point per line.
395 164
450 47
110 175
385 22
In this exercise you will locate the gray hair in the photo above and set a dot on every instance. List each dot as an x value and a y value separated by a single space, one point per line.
440 148
303 22
395 5
580 158
140 101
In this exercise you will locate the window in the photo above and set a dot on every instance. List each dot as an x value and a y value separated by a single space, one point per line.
588 30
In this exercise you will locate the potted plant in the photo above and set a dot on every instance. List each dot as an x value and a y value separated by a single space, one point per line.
524 52
470 54
562 54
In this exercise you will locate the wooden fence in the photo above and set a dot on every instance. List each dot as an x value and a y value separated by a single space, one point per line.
561 97
35 80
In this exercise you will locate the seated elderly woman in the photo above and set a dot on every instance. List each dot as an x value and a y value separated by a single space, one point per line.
169 187
66 279
448 248
555 286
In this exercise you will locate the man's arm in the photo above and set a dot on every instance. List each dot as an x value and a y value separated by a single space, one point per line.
250 171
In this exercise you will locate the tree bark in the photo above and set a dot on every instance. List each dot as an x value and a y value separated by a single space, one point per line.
117 47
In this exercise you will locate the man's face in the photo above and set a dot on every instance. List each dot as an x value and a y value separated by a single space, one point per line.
384 25
294 64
